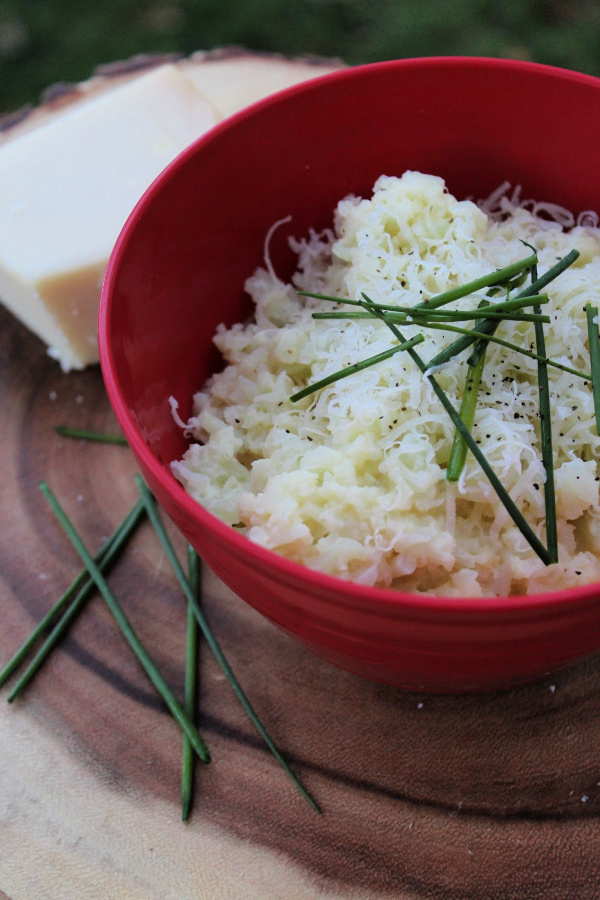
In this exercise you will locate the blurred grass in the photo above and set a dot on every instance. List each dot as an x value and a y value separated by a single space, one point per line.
47 41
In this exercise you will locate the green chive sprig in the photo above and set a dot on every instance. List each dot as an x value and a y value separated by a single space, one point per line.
591 313
356 367
131 637
440 316
191 683
210 638
503 495
78 593
97 436
426 315
534 288
488 335
458 454
498 277
475 366
546 436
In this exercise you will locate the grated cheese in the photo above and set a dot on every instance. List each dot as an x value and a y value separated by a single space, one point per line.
351 480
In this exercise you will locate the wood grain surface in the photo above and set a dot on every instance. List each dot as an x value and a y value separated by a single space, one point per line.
439 797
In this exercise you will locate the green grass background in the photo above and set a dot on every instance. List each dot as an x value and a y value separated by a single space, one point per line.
48 41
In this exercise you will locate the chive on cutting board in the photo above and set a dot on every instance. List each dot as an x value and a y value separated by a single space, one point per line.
447 798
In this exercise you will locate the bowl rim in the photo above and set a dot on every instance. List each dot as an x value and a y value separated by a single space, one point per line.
338 590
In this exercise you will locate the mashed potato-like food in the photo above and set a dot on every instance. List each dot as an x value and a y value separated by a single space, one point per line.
351 480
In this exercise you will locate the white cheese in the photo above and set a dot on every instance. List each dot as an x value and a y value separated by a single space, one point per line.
67 189
352 480
73 168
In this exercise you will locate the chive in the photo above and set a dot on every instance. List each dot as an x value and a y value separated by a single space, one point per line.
191 684
131 637
27 645
450 315
478 351
439 316
480 347
494 278
520 303
355 367
546 435
420 312
593 339
445 355
338 299
503 495
210 637
534 288
468 404
338 314
483 332
85 584
511 507
82 434
81 586
458 454
557 269
461 344
499 276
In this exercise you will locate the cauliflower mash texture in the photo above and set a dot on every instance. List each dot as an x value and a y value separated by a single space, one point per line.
351 480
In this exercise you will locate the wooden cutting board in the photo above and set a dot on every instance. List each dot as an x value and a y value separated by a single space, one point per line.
441 797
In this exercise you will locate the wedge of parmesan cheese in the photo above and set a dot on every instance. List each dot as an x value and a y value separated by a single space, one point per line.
67 189
72 170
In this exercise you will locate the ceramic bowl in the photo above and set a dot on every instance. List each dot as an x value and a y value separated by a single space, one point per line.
178 270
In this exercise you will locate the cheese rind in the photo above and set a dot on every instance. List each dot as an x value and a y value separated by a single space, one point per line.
67 189
235 81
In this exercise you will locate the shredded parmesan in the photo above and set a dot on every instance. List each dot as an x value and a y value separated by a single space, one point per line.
351 480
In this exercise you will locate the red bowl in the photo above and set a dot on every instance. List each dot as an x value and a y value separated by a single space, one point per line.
178 270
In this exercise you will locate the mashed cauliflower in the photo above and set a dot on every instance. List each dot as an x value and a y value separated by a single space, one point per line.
351 480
